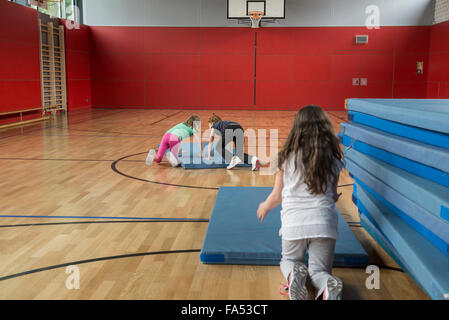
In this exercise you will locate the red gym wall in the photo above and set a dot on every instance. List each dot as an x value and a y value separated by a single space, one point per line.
19 61
214 67
163 67
438 78
20 85
77 43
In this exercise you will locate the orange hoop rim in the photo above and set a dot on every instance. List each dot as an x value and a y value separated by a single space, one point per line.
256 14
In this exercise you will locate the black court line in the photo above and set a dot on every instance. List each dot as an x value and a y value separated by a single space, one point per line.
93 117
133 255
74 160
124 256
21 128
166 117
130 134
97 131
390 268
42 128
96 218
114 168
381 266
97 222
116 132
93 136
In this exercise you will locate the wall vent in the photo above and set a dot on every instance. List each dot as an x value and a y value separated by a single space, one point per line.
361 39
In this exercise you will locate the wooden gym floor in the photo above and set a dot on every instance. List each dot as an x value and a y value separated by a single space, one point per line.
64 167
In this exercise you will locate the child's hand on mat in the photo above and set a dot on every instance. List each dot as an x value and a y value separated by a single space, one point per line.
262 211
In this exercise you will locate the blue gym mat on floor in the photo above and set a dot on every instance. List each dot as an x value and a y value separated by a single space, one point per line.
236 236
425 263
397 129
430 114
430 226
191 157
428 155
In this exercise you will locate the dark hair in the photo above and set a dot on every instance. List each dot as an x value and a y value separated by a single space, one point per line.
214 118
189 122
313 136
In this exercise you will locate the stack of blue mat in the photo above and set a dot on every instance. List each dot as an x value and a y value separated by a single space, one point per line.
397 151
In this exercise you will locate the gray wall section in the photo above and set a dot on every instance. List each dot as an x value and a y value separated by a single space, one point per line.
212 13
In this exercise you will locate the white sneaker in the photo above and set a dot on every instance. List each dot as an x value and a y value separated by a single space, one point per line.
297 289
235 161
333 290
172 159
255 164
150 157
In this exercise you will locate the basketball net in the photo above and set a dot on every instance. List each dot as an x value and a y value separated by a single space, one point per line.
255 17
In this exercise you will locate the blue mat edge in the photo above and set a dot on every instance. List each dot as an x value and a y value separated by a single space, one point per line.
431 290
408 165
402 130
422 230
374 231
432 203
432 236
428 120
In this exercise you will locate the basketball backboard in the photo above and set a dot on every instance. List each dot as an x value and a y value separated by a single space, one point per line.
273 9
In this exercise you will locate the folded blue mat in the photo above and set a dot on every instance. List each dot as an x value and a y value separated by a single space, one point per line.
430 114
191 157
369 224
438 242
370 227
426 136
426 264
422 221
427 194
236 236
416 168
428 155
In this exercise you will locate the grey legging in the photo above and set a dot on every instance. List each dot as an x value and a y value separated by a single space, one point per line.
321 258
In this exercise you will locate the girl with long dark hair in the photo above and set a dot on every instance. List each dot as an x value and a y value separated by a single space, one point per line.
306 184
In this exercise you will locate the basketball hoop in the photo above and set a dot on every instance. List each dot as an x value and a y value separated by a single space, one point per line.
255 17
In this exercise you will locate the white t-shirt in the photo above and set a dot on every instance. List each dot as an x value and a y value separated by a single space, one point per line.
304 215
